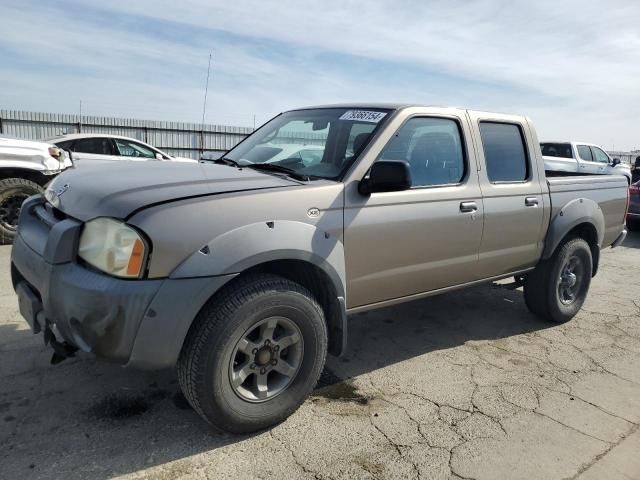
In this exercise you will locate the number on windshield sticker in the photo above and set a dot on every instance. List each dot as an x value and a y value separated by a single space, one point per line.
363 116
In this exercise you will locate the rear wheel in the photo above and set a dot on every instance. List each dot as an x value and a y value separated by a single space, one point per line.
253 354
13 193
558 287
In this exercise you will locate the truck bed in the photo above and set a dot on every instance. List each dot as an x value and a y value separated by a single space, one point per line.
609 192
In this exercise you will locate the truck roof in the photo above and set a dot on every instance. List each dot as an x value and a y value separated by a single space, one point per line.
396 106
573 142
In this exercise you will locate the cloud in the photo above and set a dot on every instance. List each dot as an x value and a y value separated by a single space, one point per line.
572 66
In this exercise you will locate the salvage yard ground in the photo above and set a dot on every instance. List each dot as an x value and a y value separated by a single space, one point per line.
465 385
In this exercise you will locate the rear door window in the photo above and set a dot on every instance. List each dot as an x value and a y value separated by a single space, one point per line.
585 153
96 145
505 152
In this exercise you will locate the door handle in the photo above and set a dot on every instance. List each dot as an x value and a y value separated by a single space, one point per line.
468 207
531 202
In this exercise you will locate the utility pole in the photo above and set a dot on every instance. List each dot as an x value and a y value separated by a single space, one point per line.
80 119
204 106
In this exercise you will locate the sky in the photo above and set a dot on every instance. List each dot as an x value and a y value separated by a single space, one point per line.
573 67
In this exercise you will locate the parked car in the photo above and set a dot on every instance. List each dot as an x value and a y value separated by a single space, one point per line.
25 167
633 214
580 157
102 147
242 275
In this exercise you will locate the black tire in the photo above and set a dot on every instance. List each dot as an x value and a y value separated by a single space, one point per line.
543 287
206 363
13 191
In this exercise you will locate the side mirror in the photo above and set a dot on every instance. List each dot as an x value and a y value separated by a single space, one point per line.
615 161
386 176
159 156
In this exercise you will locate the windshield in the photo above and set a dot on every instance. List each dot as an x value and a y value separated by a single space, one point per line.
317 142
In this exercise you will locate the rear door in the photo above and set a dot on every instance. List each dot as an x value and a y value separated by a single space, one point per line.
512 193
399 244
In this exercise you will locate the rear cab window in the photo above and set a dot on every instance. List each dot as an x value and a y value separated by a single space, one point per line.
505 152
561 150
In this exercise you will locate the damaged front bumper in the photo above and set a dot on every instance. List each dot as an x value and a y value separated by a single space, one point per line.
138 323
75 307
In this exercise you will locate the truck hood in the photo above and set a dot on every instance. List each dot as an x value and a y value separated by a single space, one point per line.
118 189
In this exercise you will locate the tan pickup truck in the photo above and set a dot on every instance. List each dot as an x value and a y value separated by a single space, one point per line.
242 273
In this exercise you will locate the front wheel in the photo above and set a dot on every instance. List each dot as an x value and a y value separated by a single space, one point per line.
558 287
254 353
633 225
13 193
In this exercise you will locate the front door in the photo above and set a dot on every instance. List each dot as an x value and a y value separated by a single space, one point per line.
602 160
399 244
588 163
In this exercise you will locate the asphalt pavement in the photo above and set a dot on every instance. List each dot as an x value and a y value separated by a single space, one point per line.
464 385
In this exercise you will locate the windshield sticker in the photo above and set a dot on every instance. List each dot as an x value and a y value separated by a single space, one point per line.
363 116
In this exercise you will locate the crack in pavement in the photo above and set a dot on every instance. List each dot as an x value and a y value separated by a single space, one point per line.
595 459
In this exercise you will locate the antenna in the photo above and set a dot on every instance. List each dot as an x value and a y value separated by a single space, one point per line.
206 90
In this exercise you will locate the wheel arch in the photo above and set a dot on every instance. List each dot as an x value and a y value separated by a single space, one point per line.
321 283
27 174
581 218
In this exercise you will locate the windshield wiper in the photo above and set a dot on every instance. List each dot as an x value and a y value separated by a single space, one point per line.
272 167
227 161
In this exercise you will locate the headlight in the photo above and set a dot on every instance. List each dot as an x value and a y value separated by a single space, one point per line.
113 247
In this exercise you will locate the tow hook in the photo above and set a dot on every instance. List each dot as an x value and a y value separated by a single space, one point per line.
61 350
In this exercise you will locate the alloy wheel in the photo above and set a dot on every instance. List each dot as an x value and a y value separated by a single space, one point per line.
266 359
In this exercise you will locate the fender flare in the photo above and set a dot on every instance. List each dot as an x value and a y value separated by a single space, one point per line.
574 213
250 245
